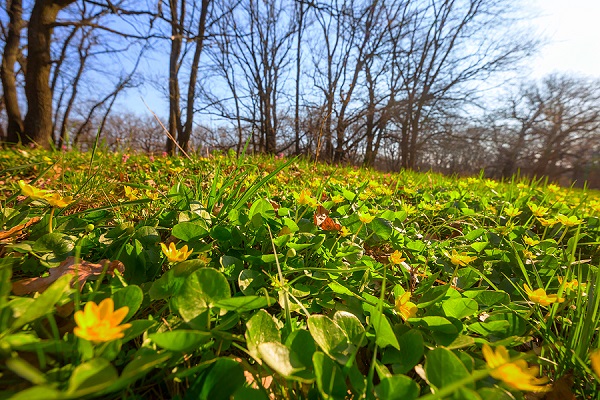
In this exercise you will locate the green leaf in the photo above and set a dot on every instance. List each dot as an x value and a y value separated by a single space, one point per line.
172 280
262 207
137 327
397 387
92 376
180 339
301 343
221 233
219 381
350 324
242 304
201 290
459 307
44 304
385 335
25 370
328 335
412 348
58 244
38 393
382 228
280 358
250 281
189 231
232 266
261 328
330 380
435 324
130 296
433 295
443 367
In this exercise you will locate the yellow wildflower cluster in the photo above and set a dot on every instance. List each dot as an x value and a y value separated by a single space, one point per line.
396 258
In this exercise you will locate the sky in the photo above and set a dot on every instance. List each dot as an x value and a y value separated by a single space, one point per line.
572 30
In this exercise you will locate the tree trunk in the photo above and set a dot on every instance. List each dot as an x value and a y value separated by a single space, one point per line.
174 95
14 129
184 138
38 121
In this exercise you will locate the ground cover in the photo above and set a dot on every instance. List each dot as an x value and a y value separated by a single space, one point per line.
129 276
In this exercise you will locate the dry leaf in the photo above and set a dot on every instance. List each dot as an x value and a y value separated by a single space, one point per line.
17 230
323 221
83 270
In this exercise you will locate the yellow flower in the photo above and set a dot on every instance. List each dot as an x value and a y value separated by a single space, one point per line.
547 222
56 200
530 241
396 257
540 297
512 211
405 307
537 211
366 218
552 188
305 197
131 193
595 360
568 221
461 259
151 195
517 374
572 285
99 322
32 191
338 198
344 231
174 254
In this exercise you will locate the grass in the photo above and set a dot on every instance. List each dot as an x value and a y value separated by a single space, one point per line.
295 286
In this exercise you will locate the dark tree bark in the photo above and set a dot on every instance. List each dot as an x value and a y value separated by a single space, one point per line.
14 130
38 121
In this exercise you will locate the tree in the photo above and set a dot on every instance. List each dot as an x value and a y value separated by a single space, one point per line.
547 128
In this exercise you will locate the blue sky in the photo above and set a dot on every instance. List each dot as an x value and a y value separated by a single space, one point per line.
570 27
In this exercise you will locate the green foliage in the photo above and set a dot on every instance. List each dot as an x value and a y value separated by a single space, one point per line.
273 301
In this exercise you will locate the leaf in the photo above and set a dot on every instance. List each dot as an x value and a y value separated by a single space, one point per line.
172 280
130 296
91 376
443 367
180 339
330 380
262 207
16 231
242 304
83 271
328 335
219 381
201 290
189 231
435 324
279 357
385 335
44 304
397 387
57 243
260 329
459 307
404 360
350 324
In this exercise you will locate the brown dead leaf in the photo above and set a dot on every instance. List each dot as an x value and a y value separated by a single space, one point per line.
16 231
83 271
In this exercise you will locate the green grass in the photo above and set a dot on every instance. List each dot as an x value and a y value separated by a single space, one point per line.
270 305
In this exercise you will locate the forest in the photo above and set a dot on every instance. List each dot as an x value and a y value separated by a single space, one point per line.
405 84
